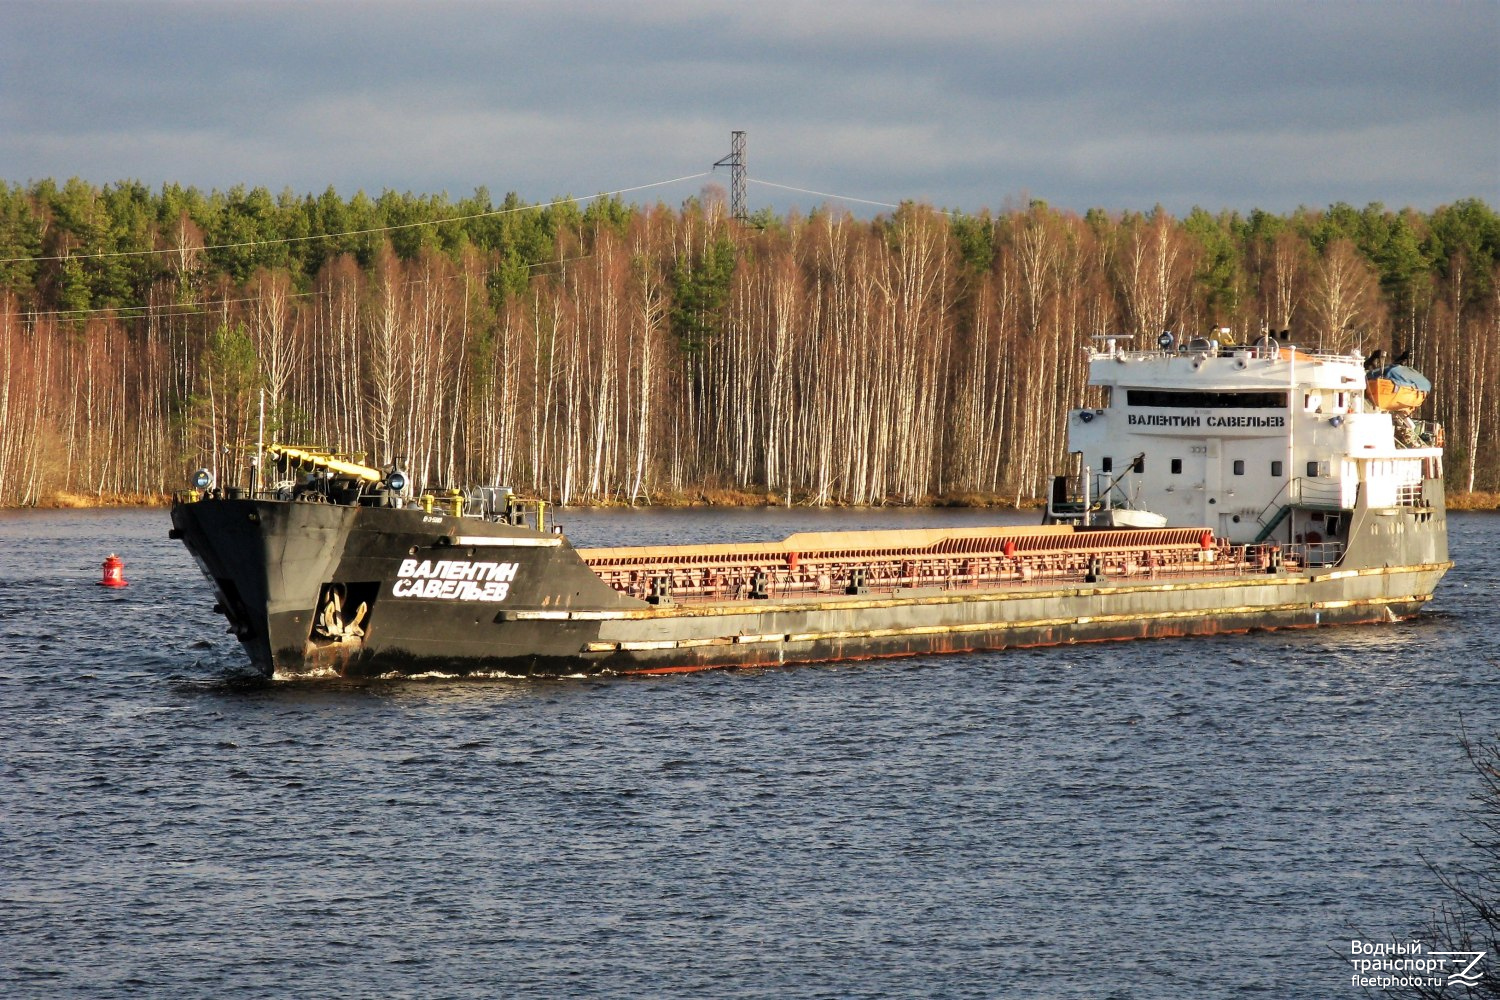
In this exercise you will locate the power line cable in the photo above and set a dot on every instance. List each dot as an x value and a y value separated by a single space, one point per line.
209 306
826 194
206 307
359 232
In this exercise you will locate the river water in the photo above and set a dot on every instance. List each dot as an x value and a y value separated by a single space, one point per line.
1186 817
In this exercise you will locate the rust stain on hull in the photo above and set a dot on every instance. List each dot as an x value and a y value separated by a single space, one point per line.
1061 633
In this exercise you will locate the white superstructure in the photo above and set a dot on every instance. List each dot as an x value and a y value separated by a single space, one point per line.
1265 442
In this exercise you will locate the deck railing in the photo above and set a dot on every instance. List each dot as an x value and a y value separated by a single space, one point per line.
1284 352
804 575
1410 495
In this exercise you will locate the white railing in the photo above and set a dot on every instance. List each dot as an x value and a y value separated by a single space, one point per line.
1321 493
1284 351
1410 496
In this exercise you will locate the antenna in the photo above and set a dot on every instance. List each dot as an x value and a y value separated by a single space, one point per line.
735 161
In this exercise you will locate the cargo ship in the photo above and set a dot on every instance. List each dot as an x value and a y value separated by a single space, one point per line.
1214 489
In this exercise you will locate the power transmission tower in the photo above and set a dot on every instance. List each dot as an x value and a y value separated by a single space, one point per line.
735 161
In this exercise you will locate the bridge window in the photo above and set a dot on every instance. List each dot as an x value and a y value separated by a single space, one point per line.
1206 400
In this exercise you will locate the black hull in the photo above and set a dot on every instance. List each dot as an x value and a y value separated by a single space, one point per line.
432 593
270 562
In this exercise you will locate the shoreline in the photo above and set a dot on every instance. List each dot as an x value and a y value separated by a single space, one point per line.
1478 500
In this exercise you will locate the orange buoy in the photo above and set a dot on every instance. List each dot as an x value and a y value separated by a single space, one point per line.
1009 548
114 572
1206 540
791 561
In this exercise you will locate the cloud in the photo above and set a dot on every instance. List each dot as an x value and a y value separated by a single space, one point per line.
1112 104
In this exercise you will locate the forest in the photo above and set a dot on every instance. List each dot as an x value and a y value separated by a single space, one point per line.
593 351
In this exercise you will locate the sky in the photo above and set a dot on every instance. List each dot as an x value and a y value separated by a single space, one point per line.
962 105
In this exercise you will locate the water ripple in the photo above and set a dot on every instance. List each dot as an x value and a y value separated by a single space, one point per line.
1181 817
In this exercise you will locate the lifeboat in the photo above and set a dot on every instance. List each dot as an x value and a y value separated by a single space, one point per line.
1397 388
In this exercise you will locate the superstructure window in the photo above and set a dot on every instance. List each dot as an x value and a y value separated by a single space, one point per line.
1108 465
1176 466
1140 465
1239 467
1206 400
1276 468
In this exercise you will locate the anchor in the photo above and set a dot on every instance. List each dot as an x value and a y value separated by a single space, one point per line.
331 622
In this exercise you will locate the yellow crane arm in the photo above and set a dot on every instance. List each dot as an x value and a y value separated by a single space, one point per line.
321 461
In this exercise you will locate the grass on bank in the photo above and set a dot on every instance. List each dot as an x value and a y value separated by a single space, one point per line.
1477 500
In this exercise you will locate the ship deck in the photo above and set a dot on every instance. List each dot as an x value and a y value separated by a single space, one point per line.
910 563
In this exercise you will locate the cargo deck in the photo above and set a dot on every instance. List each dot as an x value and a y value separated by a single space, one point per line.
888 562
